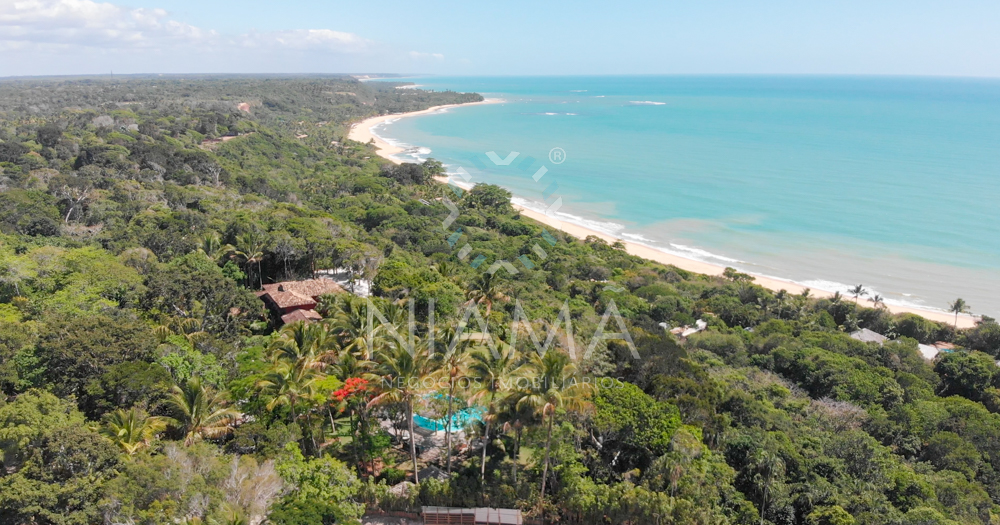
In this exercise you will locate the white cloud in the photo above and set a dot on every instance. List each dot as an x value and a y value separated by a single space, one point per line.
307 39
71 26
422 56
91 24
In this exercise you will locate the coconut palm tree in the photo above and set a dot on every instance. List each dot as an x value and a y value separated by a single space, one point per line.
494 373
250 249
403 373
516 419
486 289
858 291
878 301
351 326
959 306
554 386
446 269
453 365
200 411
769 468
292 385
212 247
303 345
132 430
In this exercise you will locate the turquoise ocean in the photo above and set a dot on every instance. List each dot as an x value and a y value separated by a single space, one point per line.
891 182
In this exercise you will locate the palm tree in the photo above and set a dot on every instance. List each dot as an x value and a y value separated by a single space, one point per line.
132 430
200 411
769 468
453 363
350 324
554 386
291 384
494 374
446 269
250 248
212 247
486 289
516 418
878 300
303 345
958 307
858 291
402 375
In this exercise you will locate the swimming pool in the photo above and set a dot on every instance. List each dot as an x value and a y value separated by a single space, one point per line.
459 420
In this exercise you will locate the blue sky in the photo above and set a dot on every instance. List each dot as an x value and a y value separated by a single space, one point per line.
915 37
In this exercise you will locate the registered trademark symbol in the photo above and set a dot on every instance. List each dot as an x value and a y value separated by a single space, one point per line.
557 155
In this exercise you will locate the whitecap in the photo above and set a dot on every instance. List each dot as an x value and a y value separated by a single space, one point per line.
646 103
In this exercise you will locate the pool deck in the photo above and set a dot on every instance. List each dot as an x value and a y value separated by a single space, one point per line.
430 443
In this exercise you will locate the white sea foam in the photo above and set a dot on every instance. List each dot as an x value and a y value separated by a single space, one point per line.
646 103
636 237
607 227
701 255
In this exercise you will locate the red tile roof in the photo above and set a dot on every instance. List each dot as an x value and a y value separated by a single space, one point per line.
310 288
301 315
297 295
290 300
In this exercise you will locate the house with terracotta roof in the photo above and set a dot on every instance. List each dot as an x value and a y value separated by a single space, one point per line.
294 301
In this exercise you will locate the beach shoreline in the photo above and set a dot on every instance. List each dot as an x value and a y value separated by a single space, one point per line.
361 132
692 265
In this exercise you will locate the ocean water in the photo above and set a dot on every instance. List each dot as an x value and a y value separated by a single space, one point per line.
825 181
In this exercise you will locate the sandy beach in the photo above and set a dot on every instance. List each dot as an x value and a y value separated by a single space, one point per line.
361 132
964 321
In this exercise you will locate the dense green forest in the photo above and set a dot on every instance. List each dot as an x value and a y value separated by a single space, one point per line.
143 382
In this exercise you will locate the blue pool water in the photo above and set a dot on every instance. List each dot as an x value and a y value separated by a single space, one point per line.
825 181
459 421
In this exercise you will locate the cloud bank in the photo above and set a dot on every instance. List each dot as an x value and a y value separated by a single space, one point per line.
85 36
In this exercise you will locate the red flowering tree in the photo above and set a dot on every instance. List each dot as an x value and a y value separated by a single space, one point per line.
352 399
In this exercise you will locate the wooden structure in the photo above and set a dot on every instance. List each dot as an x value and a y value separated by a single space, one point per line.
477 516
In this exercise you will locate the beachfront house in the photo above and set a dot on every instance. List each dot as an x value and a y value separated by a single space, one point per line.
293 301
